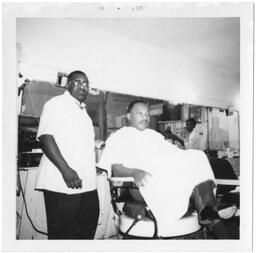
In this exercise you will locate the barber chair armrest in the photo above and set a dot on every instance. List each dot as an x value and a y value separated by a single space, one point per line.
228 182
100 170
124 182
122 179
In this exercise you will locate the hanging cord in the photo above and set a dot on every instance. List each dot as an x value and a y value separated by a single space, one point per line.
18 215
25 203
22 87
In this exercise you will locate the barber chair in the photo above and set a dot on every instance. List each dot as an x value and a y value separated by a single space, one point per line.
135 220
228 191
227 181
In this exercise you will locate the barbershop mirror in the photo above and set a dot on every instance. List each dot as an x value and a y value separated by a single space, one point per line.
217 128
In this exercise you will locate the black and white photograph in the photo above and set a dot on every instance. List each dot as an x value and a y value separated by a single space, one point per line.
127 126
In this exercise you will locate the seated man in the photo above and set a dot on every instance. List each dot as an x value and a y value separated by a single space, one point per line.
165 174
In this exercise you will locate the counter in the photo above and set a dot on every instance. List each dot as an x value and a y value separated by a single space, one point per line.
36 208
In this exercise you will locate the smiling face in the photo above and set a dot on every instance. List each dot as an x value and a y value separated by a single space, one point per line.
139 116
78 87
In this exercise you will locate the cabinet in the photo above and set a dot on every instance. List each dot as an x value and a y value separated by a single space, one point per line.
106 224
36 208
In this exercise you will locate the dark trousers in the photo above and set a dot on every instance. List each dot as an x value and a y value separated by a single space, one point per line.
71 216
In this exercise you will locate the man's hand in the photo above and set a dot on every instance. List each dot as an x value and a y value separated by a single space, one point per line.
140 177
53 153
71 178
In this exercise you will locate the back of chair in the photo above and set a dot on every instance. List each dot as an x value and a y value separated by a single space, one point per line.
127 200
222 169
128 193
120 193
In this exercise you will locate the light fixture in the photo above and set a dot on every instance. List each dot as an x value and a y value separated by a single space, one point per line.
61 79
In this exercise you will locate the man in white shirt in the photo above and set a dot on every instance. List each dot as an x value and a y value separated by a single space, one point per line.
67 173
196 135
165 174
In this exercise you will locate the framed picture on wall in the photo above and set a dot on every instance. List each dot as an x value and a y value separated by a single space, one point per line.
196 113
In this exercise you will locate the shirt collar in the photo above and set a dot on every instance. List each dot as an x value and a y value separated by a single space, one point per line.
71 98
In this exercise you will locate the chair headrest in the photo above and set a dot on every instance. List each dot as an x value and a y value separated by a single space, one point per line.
222 169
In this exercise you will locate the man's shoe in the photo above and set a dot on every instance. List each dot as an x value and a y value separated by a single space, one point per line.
219 211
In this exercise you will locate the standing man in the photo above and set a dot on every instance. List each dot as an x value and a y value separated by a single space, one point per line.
67 174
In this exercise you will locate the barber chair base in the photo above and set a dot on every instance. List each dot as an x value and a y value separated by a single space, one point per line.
186 228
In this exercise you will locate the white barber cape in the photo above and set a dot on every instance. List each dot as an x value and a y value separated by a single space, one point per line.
175 172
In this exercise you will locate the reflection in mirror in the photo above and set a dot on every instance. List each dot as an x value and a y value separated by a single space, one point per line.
223 129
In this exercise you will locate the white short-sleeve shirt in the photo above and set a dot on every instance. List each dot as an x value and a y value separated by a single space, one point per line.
72 129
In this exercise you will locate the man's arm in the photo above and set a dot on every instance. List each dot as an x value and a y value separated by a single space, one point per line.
52 151
139 176
176 138
169 135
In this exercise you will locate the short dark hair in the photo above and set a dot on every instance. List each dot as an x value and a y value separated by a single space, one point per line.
73 74
133 103
192 121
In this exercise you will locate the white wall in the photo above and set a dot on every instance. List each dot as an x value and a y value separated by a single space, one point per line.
117 64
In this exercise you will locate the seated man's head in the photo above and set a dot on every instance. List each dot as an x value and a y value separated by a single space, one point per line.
78 85
138 114
190 124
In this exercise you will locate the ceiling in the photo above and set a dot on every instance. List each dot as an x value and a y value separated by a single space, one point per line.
215 41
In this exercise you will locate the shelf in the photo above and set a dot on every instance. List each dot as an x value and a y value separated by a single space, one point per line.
170 121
